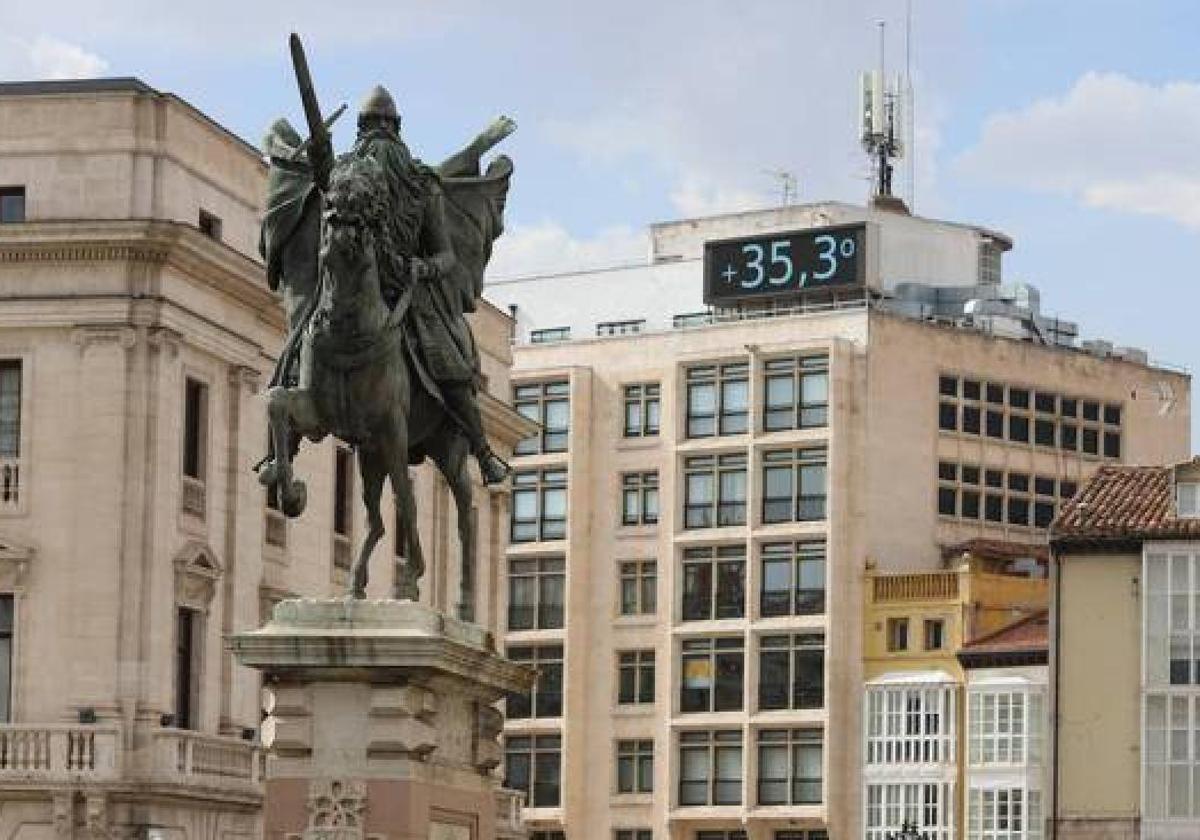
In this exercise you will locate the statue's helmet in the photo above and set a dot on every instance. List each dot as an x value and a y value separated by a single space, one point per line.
378 103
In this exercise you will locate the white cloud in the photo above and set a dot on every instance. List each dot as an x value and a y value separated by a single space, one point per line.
548 247
1110 142
45 57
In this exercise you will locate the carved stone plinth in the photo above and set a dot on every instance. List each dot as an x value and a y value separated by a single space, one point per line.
380 722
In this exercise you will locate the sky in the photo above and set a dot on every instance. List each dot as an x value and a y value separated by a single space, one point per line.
1071 125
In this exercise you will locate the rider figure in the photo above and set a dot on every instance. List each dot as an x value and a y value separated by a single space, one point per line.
421 244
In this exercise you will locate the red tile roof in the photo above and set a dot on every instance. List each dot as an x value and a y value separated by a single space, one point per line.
1121 503
997 550
1031 633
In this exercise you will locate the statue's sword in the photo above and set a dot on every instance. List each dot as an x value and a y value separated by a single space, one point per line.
319 142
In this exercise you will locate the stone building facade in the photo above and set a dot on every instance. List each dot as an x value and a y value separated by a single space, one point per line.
136 335
691 526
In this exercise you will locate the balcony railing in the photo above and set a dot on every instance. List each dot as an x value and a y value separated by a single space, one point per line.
187 757
927 586
10 483
52 753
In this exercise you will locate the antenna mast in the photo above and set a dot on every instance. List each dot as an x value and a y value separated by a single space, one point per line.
880 114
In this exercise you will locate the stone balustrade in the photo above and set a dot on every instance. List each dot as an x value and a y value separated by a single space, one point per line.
59 753
919 586
212 761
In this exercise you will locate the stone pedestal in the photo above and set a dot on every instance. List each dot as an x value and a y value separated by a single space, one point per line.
380 723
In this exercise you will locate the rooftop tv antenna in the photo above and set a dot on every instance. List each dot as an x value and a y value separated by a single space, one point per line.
880 114
789 189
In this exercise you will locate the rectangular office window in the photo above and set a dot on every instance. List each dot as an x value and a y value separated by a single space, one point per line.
710 768
536 591
642 410
714 582
635 766
714 492
539 505
897 634
794 485
549 335
7 633
712 674
12 204
195 428
793 578
633 834
548 405
796 393
545 698
635 676
791 671
532 763
188 646
718 400
639 587
790 766
722 834
639 498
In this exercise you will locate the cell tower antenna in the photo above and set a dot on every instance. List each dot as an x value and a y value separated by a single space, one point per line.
880 105
910 111
788 185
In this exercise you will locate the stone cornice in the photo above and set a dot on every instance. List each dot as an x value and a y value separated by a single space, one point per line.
147 241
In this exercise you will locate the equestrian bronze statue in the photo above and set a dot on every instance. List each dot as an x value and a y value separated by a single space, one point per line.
378 258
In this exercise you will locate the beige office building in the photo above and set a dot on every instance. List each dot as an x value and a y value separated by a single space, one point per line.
690 528
136 335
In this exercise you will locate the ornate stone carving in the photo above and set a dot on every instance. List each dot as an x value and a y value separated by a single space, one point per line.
196 573
336 811
488 725
96 817
63 816
86 335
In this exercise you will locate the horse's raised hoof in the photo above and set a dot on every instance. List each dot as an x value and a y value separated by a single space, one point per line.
493 468
294 499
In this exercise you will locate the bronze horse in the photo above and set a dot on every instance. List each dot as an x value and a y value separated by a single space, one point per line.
347 370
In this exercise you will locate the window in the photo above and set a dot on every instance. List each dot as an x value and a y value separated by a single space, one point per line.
548 405
793 578
633 834
7 628
188 624
545 698
539 505
210 225
642 410
548 835
536 588
1004 727
631 327
789 766
195 429
793 485
639 584
935 634
1007 813
549 334
910 724
635 766
796 393
718 400
1004 497
1043 418
714 491
712 675
639 498
12 204
10 432
724 834
714 582
635 676
710 768
343 505
928 806
791 672
532 764
897 634
1187 493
